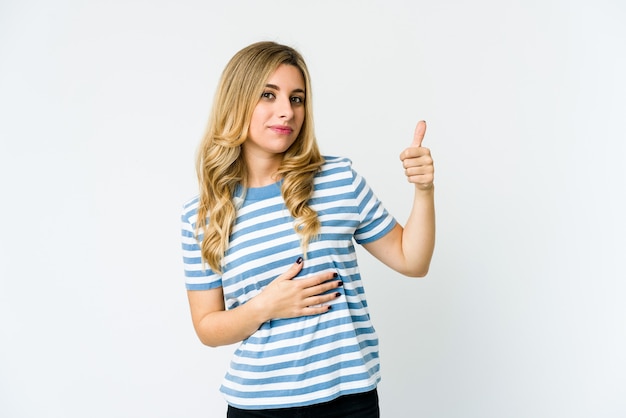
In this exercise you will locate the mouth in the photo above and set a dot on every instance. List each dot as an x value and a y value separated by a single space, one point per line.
281 130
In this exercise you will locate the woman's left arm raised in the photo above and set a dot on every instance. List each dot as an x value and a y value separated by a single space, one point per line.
409 249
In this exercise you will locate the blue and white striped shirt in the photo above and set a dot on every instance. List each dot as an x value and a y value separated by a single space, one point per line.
305 360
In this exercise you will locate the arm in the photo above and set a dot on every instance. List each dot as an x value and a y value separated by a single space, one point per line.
409 250
283 298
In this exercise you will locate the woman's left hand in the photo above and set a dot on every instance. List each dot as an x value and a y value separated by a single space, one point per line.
417 161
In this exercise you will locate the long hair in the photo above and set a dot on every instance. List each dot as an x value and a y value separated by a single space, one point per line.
220 165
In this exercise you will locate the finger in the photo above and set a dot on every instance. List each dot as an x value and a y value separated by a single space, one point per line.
316 310
418 135
419 169
322 288
415 156
321 299
320 282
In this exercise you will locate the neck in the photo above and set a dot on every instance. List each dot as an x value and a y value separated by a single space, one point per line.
262 172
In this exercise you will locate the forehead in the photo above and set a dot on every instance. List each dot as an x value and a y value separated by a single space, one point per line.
287 76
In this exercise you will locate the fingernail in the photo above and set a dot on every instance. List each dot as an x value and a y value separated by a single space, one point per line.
337 294
330 307
339 283
299 260
335 275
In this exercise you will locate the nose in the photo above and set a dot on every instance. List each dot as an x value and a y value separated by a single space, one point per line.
284 108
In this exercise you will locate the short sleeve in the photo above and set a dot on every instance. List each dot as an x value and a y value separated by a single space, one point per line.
375 220
198 275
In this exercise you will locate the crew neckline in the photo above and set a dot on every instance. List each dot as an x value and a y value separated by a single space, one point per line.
260 193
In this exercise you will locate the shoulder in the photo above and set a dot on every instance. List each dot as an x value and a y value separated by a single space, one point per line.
190 210
335 161
335 165
335 174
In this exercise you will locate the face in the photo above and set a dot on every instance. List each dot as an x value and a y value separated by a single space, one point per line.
278 116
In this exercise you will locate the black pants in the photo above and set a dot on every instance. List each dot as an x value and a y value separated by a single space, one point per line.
360 405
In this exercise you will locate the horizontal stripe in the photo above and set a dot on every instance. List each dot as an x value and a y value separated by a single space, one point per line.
267 352
326 355
273 378
302 389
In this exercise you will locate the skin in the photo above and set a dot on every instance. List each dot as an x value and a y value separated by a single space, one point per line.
281 105
408 249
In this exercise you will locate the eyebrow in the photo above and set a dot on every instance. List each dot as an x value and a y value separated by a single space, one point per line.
275 87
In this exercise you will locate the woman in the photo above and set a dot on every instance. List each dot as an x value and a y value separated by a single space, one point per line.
268 246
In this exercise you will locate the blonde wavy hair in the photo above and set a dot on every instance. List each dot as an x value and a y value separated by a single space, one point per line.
220 165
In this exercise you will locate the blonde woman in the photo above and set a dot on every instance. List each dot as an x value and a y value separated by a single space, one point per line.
268 246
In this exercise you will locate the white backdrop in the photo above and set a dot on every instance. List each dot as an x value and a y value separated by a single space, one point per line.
102 105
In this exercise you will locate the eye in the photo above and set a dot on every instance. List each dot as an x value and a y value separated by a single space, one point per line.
297 99
268 95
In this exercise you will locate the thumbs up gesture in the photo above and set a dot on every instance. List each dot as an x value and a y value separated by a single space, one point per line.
417 162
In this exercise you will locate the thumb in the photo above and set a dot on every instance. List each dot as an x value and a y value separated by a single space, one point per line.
418 136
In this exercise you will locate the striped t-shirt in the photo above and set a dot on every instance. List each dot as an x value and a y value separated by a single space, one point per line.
305 360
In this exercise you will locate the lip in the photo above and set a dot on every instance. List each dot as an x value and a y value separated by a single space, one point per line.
281 129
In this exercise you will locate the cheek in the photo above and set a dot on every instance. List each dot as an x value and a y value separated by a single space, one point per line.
256 122
300 117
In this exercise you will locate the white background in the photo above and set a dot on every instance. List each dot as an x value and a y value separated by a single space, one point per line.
102 105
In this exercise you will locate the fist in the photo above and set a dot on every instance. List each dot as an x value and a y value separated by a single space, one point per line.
417 162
